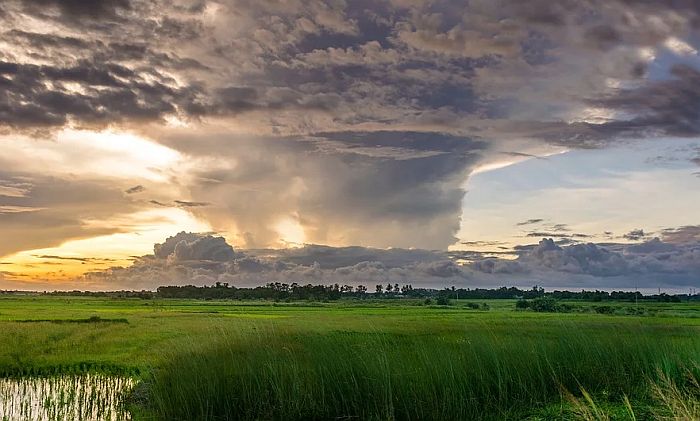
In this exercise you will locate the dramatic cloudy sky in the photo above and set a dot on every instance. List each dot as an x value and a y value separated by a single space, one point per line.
480 142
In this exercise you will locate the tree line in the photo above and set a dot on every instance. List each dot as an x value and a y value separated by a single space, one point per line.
320 292
279 291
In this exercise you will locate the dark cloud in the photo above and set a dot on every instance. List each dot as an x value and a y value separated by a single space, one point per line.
482 243
541 234
655 245
603 37
38 96
336 257
635 235
578 258
73 9
530 222
77 259
188 246
180 204
653 263
187 204
667 107
202 259
135 189
523 155
499 67
682 235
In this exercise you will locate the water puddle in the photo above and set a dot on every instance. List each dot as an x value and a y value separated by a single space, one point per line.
90 397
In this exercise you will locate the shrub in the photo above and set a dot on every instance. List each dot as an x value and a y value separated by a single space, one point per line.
604 309
544 305
442 300
522 304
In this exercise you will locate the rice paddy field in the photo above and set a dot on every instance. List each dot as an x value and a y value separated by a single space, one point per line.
108 358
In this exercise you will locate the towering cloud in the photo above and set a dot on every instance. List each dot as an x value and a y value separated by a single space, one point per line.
187 246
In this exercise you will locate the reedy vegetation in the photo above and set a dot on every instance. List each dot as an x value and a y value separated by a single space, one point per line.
499 374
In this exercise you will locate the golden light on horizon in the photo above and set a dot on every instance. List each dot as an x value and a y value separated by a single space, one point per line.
75 257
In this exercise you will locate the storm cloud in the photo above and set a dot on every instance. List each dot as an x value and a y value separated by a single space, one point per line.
647 265
307 67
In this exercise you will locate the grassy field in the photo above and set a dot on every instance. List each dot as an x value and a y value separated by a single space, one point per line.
390 359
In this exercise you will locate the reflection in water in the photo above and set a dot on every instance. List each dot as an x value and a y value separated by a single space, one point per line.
90 397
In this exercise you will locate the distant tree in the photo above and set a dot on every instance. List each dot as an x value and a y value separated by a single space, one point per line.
361 290
389 288
379 289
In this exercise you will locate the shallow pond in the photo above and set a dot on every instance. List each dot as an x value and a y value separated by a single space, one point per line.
90 397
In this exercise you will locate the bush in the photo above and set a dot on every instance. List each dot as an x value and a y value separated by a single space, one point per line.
544 305
634 311
522 304
442 300
604 309
473 306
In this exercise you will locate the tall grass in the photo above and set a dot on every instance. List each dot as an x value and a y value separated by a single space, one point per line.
292 376
672 401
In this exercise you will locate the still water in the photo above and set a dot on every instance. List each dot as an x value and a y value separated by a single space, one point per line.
90 397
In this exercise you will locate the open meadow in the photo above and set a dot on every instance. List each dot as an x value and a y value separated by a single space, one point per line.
360 359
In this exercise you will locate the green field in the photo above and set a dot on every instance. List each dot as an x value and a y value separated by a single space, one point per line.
391 359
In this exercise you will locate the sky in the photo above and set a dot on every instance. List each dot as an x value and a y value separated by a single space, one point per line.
438 143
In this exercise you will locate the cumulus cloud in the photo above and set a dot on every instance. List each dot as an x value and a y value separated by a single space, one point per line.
188 246
202 259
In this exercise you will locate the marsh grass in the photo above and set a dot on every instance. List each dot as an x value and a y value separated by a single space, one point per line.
85 397
351 375
669 400
92 319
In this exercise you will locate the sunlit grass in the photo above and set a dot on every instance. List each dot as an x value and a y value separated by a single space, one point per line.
491 374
